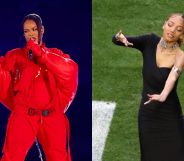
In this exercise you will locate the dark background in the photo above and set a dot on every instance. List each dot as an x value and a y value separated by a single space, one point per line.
67 27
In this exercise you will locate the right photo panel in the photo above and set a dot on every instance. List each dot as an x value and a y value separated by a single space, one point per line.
137 80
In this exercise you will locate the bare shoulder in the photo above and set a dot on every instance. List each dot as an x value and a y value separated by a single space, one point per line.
180 54
179 62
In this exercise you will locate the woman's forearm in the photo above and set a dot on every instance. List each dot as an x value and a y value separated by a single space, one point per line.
171 80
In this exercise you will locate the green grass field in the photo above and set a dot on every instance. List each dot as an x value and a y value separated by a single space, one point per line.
117 70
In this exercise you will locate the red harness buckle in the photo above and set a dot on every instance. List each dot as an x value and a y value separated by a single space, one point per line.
33 111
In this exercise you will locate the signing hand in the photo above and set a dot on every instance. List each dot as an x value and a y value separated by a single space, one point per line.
35 47
120 37
154 97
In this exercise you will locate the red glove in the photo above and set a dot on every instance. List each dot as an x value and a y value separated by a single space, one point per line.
35 47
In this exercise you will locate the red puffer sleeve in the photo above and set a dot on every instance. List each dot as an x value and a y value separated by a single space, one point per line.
65 71
5 80
6 93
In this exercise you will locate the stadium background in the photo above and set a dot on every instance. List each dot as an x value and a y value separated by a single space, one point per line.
67 27
116 74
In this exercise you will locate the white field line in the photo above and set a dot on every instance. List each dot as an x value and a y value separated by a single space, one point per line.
102 113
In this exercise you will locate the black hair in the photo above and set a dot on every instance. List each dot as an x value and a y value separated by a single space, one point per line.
36 18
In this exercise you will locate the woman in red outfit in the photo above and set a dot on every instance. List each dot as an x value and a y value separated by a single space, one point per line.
37 84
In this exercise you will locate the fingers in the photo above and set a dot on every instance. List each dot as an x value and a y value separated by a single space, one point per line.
129 44
147 102
31 43
154 97
150 95
120 37
126 42
150 99
119 33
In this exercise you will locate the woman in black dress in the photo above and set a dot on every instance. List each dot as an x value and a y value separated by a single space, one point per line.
160 124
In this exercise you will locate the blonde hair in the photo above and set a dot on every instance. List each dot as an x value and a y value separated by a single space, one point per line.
181 39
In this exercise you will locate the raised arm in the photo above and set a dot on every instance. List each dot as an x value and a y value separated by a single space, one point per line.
137 42
60 64
64 69
120 39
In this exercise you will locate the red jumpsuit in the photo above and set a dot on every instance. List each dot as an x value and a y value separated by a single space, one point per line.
38 94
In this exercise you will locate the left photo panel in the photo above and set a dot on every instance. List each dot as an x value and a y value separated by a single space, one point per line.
46 80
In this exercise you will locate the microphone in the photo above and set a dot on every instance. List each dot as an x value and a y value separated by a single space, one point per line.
30 55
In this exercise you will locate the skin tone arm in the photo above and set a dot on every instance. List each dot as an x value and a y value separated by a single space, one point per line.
173 76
